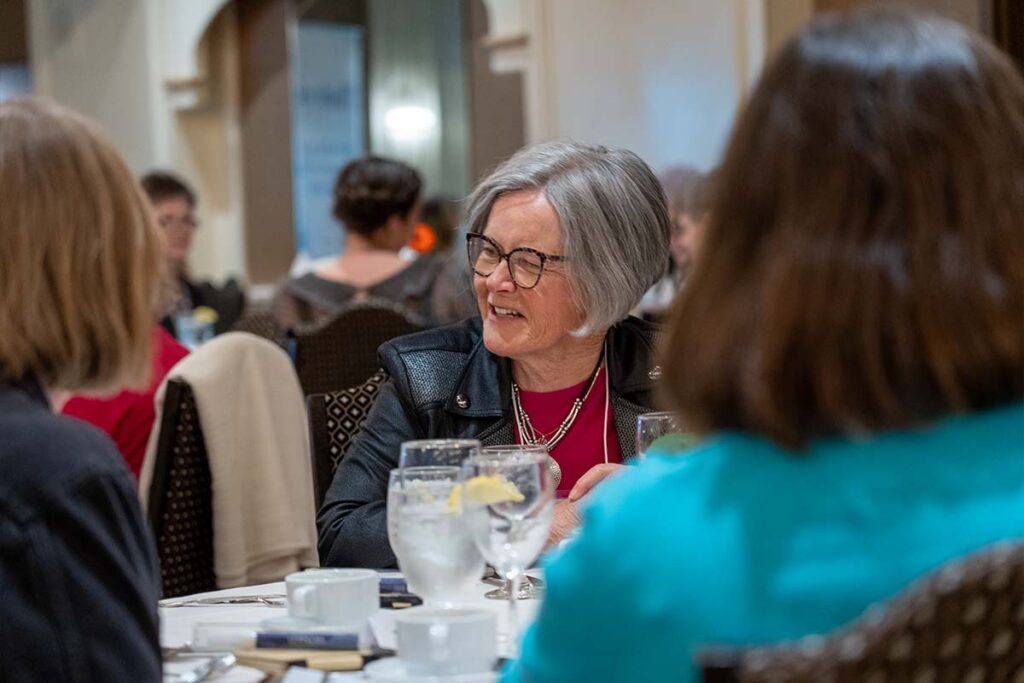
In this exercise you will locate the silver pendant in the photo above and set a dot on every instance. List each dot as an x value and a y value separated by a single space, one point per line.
556 471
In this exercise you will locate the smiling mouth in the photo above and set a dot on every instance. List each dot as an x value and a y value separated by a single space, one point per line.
500 312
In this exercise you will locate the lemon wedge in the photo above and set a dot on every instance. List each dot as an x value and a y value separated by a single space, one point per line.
484 490
204 314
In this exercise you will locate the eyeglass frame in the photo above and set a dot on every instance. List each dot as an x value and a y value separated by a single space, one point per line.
503 256
171 221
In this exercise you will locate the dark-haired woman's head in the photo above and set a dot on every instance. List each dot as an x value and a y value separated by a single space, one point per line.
378 199
864 266
174 204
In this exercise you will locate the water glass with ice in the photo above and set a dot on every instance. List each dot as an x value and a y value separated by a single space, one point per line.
430 537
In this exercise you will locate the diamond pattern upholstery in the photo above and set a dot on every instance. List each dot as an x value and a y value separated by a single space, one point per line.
335 418
181 497
963 623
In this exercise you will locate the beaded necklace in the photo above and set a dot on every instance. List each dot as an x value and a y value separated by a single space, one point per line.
532 437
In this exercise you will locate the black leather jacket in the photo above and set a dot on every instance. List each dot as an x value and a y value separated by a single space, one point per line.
445 384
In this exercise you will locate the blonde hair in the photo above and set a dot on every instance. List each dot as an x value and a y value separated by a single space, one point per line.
79 254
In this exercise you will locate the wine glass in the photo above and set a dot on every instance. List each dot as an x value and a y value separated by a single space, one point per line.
527 589
429 535
434 452
508 502
652 426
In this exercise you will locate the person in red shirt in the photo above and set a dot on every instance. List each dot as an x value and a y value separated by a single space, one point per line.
128 417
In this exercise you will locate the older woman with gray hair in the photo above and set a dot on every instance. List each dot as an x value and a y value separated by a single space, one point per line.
564 239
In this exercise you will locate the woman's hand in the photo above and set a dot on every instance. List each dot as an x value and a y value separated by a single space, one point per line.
567 514
567 518
592 478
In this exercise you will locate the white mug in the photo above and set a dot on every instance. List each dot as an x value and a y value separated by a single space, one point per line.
435 641
342 597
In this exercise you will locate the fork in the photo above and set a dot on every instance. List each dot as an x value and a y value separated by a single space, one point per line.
275 600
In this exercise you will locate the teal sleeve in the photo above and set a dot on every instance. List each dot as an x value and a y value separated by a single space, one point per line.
595 623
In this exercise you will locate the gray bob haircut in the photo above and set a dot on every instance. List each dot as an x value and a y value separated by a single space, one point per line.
614 218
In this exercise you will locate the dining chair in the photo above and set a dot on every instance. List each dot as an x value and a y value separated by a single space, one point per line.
180 506
256 440
341 351
264 325
335 418
963 623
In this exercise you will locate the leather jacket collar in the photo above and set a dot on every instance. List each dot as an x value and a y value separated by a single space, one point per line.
484 389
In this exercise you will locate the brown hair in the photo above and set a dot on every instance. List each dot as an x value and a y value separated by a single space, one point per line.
80 254
371 190
161 185
864 264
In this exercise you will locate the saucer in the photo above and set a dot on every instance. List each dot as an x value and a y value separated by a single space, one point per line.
297 624
392 670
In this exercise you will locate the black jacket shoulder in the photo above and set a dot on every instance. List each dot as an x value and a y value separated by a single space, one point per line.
427 365
430 366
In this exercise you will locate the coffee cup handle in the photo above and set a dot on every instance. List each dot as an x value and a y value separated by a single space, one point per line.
305 602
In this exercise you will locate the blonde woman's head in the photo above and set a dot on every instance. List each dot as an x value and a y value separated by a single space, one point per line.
79 254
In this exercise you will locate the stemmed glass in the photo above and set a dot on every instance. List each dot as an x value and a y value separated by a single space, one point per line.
652 426
508 501
429 535
527 589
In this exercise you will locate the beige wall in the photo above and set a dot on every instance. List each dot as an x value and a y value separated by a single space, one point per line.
265 129
497 123
109 60
660 77
783 18
94 57
204 145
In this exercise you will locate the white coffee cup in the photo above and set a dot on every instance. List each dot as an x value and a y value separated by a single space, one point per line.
435 641
342 597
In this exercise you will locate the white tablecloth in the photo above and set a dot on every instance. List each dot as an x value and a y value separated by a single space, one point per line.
177 623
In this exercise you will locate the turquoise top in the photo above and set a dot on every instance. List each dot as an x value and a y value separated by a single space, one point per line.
740 542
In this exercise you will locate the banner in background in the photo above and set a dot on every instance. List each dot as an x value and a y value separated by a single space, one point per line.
328 128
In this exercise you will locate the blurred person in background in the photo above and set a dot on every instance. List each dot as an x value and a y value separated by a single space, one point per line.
850 346
441 215
378 203
174 204
563 241
454 298
689 194
79 280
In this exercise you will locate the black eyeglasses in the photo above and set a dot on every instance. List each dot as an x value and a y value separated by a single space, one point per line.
171 221
525 265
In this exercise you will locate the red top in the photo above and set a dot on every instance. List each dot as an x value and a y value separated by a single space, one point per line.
127 417
581 447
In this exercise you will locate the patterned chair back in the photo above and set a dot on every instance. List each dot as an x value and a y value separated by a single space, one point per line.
962 623
335 418
262 325
342 351
181 497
